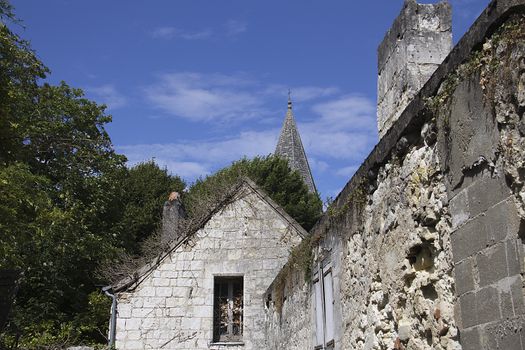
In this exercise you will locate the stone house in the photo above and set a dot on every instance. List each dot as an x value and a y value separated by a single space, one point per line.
207 291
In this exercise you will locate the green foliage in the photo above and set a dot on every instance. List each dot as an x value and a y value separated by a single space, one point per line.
145 189
59 198
274 176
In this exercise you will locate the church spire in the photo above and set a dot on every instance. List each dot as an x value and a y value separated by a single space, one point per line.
290 147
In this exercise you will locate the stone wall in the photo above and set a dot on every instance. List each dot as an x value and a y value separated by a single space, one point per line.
430 228
417 43
172 307
483 150
291 326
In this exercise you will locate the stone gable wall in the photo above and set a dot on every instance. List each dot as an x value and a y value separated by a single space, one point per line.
172 307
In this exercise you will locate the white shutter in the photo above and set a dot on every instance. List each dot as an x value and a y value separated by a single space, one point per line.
329 305
319 331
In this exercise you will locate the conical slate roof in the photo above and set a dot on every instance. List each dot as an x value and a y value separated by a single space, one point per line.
291 148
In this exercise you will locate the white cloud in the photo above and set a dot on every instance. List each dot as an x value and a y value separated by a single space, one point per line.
300 93
306 93
191 159
317 165
234 27
347 113
108 95
237 97
175 33
346 128
347 171
199 97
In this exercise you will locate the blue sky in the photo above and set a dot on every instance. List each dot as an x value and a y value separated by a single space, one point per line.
198 84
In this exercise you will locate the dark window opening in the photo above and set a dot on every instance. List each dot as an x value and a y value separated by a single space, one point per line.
227 309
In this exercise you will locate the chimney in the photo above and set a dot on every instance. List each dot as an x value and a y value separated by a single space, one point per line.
172 215
416 44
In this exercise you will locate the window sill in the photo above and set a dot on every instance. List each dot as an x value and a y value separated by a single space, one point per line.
228 343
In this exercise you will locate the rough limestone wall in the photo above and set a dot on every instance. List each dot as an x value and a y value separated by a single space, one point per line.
398 289
173 307
484 150
290 327
290 299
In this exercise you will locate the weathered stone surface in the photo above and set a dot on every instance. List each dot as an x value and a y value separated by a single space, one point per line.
471 339
172 215
469 239
419 40
492 264
464 276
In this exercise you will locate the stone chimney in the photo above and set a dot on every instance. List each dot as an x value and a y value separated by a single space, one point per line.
172 215
416 44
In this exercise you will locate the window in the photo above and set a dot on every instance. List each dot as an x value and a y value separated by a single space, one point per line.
227 309
324 307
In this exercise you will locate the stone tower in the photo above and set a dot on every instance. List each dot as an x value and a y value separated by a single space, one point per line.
291 148
416 44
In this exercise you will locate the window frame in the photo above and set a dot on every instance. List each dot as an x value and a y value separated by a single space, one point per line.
229 281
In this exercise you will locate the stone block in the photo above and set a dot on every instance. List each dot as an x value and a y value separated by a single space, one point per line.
503 335
518 302
459 210
485 193
487 305
468 310
469 239
470 339
503 220
161 282
163 291
172 302
492 264
196 265
151 302
149 324
132 345
133 335
147 291
505 297
464 276
181 282
176 311
513 256
124 310
132 325
191 323
202 312
139 313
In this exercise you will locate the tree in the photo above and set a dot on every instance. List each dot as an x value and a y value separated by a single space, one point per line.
273 175
145 189
59 198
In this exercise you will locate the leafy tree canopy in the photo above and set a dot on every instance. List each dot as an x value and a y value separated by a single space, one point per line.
273 175
145 189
